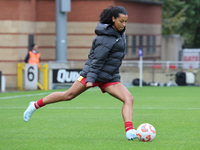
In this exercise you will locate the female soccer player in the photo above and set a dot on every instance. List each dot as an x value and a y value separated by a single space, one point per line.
101 69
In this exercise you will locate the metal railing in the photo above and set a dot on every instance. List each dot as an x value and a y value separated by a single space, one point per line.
165 64
151 64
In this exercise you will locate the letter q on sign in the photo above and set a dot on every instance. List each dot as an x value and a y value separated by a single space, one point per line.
67 76
61 75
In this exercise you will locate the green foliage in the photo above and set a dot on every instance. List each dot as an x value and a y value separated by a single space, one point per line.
173 16
182 17
93 121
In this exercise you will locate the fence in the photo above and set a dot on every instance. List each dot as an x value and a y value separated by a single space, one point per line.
151 64
153 71
158 71
165 64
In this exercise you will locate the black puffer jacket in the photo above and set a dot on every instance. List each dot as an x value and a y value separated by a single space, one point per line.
106 54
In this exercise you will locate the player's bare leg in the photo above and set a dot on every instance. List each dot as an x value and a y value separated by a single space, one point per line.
76 89
120 92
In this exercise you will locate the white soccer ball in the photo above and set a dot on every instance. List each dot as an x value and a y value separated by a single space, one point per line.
145 132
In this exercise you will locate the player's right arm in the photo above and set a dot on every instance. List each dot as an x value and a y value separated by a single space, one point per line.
89 84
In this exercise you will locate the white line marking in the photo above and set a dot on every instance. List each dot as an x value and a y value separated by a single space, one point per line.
148 108
28 95
17 96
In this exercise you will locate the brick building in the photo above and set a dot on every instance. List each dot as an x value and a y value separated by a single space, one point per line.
19 19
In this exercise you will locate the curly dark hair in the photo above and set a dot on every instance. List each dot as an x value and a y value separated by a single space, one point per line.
107 14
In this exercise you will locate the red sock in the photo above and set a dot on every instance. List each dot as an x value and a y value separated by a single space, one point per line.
39 104
128 125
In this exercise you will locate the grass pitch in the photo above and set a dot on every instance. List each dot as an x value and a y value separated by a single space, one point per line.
93 120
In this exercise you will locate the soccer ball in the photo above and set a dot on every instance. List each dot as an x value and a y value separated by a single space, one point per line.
145 132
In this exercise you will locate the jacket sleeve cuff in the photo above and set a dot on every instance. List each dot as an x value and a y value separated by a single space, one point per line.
89 79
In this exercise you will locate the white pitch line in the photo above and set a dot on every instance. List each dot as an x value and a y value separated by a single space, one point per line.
143 108
18 96
28 95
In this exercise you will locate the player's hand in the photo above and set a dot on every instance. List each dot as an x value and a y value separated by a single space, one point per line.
89 84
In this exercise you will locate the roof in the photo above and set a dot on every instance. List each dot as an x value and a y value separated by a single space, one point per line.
154 2
145 1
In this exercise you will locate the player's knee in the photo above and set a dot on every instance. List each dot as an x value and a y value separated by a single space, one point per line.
68 96
130 99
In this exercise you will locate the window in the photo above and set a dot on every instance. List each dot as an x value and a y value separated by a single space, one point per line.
133 44
154 44
30 41
140 41
148 45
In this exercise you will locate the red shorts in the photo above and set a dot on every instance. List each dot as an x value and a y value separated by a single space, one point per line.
101 85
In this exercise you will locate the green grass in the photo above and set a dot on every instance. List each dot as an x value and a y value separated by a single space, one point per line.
93 121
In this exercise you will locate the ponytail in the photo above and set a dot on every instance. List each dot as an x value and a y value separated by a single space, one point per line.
107 14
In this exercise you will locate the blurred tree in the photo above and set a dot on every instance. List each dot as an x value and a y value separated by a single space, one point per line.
182 17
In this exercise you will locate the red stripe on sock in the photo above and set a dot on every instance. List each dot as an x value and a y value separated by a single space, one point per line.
39 104
128 125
